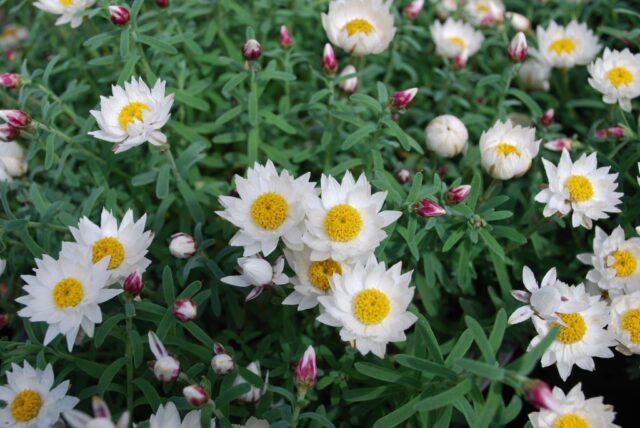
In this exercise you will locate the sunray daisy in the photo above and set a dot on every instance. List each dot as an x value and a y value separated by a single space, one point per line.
67 9
32 400
485 12
101 417
581 187
615 261
584 336
345 223
456 38
507 151
565 47
625 322
133 115
258 273
617 76
369 303
167 416
359 27
269 207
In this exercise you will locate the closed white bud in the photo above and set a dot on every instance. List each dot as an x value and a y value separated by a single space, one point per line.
349 85
222 364
182 245
447 136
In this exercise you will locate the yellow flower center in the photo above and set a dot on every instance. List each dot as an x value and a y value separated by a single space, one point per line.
457 41
580 188
66 3
108 246
9 32
358 25
68 293
562 45
574 331
26 405
269 210
482 8
131 112
506 149
631 323
620 76
371 306
320 272
570 421
625 263
343 223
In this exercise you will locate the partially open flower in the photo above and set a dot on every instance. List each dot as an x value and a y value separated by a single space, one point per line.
403 176
447 136
196 395
166 368
518 48
133 285
413 9
547 117
350 85
16 118
255 394
10 80
539 394
185 309
401 99
458 194
119 15
429 208
251 50
8 132
221 363
305 373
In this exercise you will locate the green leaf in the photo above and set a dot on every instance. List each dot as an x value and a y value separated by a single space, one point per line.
162 184
367 101
425 366
399 415
358 135
107 376
168 289
103 330
278 122
158 44
318 418
149 391
491 242
452 240
534 108
253 108
444 398
484 370
480 339
192 101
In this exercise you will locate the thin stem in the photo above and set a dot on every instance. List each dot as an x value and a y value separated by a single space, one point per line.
167 152
253 142
328 151
503 95
297 408
129 364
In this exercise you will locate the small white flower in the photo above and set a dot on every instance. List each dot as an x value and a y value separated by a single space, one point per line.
166 368
582 187
133 115
565 47
507 151
167 416
101 417
447 136
456 38
258 273
31 399
12 161
485 12
359 27
625 322
617 76
255 394
67 9
12 34
253 422
535 74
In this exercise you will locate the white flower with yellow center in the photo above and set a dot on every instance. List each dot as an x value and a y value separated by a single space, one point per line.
617 76
32 401
369 303
124 246
535 75
345 223
615 262
574 411
12 34
580 187
66 293
133 115
359 27
311 280
167 416
269 207
625 322
456 38
565 47
485 12
506 151
583 337
67 9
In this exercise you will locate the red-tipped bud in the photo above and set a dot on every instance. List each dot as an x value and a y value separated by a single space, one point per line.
329 60
429 208
133 285
182 245
10 53
547 117
285 38
413 9
10 80
458 194
601 133
119 15
8 132
251 50
196 395
185 309
518 48
561 144
305 373
403 176
16 118
616 132
4 320
162 3
401 99
395 117
539 394
460 61
350 85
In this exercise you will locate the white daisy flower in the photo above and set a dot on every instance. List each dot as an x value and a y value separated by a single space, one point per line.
485 12
359 27
617 76
311 280
254 394
12 161
101 417
167 416
345 223
269 207
456 38
507 151
12 34
535 75
584 336
574 411
369 303
258 273
133 115
67 9
582 187
614 261
625 322
565 47
32 401
125 246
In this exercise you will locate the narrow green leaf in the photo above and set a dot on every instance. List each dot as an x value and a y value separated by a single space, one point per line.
444 398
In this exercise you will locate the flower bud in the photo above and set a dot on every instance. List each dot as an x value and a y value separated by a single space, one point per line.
458 194
182 246
285 38
251 50
4 320
166 368
196 395
535 75
119 15
401 99
518 48
403 176
12 161
429 208
133 285
561 144
547 117
254 394
222 364
16 118
10 53
601 133
185 309
10 80
413 9
8 132
329 60
305 373
460 61
616 131
539 394
349 86
519 22
162 3
447 136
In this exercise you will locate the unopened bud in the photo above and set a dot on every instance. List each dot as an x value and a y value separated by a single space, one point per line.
560 144
616 131
429 208
403 176
413 9
133 285
519 22
458 194
285 38
8 132
401 99
305 373
329 60
4 320
349 85
10 53
16 118
547 117
196 395
10 80
119 15
182 246
518 48
251 50
539 394
162 3
460 61
185 309
222 363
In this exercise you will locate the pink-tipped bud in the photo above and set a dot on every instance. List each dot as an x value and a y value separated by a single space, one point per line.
458 194
305 373
616 132
329 60
10 80
182 246
460 61
413 9
401 99
4 320
547 117
16 118
518 48
8 132
539 394
119 15
251 50
285 38
601 133
10 53
560 144
196 395
185 309
403 176
429 208
221 363
350 85
162 3
133 285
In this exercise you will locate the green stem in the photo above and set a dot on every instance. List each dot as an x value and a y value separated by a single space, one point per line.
297 408
503 95
167 152
129 365
253 143
328 150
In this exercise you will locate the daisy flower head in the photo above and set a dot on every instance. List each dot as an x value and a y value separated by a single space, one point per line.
617 76
66 293
167 416
369 303
456 38
625 322
583 337
565 47
269 207
485 12
359 27
507 151
67 9
345 223
124 246
581 187
101 417
258 273
12 34
32 400
573 410
133 115
615 262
